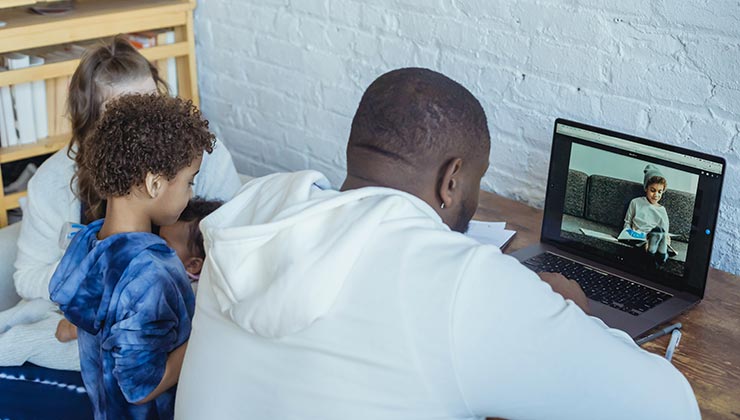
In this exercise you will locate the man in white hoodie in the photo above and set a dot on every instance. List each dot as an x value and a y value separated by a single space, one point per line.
368 302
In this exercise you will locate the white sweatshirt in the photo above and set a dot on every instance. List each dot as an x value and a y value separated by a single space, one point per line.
643 216
52 203
316 304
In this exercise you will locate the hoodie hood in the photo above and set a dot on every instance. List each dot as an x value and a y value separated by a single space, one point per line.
280 251
84 282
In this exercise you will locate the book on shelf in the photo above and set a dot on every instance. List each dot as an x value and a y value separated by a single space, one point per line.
171 65
38 88
22 99
3 134
141 40
8 133
51 106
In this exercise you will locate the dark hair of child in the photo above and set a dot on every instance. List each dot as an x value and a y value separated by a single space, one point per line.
657 180
106 65
197 209
140 134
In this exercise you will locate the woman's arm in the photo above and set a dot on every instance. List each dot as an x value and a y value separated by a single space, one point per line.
50 205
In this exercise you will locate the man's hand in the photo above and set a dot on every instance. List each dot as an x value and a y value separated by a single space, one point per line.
569 289
66 331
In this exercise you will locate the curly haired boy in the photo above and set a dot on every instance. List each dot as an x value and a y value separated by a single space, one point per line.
120 284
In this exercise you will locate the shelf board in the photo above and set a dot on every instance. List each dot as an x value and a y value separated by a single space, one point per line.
16 3
48 145
10 201
25 30
66 68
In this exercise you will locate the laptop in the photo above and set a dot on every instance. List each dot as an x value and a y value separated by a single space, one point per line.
594 176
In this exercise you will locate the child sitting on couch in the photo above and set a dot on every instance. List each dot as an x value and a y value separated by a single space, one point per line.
121 285
646 219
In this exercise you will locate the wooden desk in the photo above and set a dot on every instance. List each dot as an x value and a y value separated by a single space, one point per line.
709 352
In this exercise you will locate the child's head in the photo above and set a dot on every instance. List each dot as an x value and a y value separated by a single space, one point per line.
185 236
654 183
104 72
148 148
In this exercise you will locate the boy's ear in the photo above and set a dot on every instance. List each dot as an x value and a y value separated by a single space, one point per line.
449 186
194 265
153 184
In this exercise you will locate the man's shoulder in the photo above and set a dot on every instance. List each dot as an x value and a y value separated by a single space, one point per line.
457 254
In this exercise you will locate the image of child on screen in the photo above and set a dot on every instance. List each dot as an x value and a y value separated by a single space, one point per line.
646 219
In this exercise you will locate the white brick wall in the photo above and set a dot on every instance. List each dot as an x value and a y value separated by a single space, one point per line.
280 79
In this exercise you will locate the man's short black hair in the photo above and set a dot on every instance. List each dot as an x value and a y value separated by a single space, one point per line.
196 210
416 116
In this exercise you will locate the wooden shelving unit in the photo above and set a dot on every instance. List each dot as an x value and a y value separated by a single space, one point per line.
91 19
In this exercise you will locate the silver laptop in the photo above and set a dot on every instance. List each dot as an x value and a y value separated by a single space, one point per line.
602 229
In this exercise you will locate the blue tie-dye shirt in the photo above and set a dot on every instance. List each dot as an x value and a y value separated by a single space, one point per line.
131 300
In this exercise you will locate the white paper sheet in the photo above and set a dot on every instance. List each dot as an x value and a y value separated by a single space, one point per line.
493 233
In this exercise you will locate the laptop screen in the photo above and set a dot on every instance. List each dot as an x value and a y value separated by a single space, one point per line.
639 206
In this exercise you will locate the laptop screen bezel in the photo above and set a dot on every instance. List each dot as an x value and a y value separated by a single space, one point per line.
555 192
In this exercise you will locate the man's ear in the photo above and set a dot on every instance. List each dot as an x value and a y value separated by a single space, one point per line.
449 186
153 184
194 265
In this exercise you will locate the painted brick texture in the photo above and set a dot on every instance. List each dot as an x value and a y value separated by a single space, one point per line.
280 79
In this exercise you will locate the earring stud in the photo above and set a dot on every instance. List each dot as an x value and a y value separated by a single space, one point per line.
443 205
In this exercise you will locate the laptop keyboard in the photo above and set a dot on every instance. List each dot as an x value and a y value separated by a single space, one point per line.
619 293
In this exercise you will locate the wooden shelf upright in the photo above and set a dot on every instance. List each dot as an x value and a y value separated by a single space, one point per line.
90 19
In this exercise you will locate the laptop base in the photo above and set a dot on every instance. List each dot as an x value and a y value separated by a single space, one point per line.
615 318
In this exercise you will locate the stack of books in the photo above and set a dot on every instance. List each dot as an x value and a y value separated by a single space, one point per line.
23 107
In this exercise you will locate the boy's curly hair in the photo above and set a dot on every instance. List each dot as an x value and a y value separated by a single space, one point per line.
140 134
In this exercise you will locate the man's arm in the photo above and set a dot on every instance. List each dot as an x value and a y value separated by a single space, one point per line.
522 351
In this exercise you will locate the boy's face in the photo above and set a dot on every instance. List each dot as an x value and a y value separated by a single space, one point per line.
177 237
654 192
175 194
